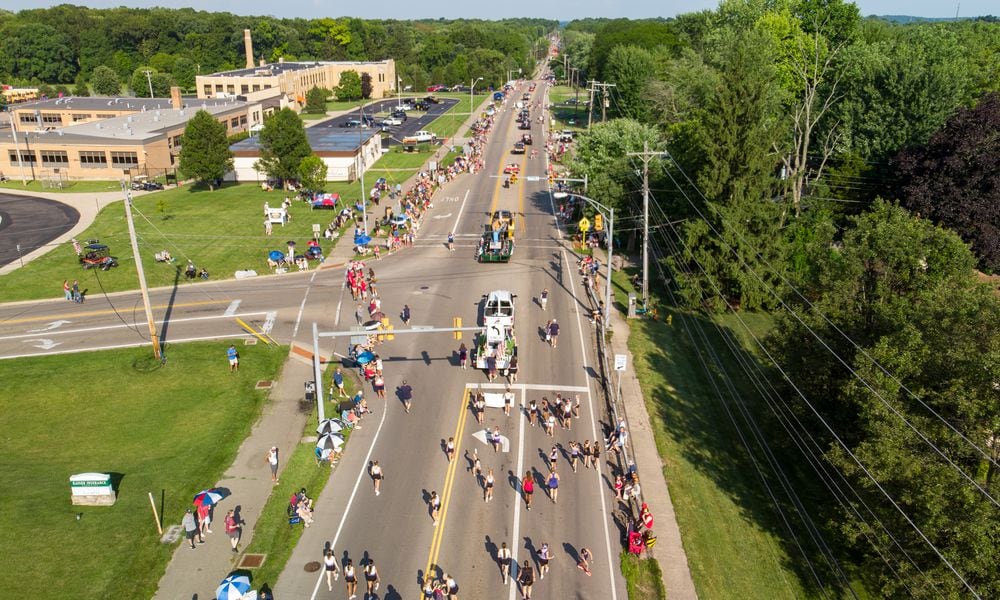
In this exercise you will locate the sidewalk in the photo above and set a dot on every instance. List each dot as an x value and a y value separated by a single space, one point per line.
668 551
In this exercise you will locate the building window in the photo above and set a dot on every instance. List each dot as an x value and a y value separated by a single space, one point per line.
177 141
93 159
243 119
244 89
54 158
106 116
51 118
124 159
256 87
235 122
230 89
218 88
26 156
27 119
81 117
208 89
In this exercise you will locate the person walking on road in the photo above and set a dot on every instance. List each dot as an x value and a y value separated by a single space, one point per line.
553 456
359 314
449 449
272 461
371 578
544 556
351 579
512 370
532 412
450 587
330 564
191 528
527 579
405 315
528 487
406 395
451 240
378 384
554 333
508 400
490 480
377 477
553 484
503 557
496 439
435 503
574 454
584 563
543 298
463 356
477 467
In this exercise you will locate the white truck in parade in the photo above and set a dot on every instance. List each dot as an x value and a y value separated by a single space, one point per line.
496 341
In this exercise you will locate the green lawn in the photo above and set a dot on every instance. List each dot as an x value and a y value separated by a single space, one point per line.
397 159
272 535
222 231
448 124
71 186
735 544
169 430
643 578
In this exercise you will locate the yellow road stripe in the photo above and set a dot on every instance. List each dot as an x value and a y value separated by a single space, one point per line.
253 331
449 480
92 313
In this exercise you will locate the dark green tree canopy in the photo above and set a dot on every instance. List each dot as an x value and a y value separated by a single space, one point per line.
205 153
283 145
106 82
350 86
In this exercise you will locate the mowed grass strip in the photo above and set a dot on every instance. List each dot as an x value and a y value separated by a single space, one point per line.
169 430
643 578
222 231
729 528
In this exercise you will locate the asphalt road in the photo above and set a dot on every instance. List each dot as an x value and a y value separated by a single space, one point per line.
395 528
31 223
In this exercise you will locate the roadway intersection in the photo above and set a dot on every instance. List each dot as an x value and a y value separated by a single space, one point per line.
395 528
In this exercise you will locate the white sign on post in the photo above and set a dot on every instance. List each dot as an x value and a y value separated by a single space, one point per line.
620 361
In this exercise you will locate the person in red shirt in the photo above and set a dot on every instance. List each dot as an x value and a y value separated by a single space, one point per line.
528 485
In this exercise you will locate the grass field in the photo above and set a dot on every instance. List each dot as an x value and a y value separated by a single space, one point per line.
71 186
222 231
448 124
156 429
643 578
735 545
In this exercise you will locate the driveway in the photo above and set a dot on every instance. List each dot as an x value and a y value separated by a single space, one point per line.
28 223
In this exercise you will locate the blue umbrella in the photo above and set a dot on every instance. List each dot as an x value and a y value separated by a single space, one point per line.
208 497
233 587
276 255
362 240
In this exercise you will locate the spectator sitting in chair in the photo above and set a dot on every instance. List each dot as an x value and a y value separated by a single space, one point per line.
203 273
190 272
302 497
305 513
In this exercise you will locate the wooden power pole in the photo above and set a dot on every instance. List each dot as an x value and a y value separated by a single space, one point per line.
153 336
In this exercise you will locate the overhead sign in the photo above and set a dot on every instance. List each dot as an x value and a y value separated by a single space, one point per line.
584 224
620 362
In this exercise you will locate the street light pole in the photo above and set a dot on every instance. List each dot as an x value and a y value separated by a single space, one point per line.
471 88
605 317
361 166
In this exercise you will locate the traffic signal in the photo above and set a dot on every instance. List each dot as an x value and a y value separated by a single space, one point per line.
457 324
598 222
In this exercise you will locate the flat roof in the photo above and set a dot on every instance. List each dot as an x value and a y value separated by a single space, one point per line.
321 139
94 103
133 128
274 69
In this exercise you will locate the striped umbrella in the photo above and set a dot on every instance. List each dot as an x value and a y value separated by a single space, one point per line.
233 587
330 441
207 497
329 426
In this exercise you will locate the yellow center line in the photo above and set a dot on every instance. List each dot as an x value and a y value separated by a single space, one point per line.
449 480
92 313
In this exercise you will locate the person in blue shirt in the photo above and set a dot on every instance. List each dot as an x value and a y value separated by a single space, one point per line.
406 314
338 382
234 358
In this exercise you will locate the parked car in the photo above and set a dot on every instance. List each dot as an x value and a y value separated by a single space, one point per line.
433 99
351 124
422 105
437 88
399 114
391 120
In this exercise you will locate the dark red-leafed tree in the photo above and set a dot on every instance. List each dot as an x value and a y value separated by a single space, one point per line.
954 179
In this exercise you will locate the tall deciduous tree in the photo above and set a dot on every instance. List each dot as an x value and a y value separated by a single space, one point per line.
366 85
630 68
316 100
283 145
312 173
80 87
954 179
105 81
349 87
36 51
205 153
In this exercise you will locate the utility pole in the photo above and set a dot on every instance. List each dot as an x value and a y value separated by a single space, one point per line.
592 85
604 97
361 166
646 156
153 336
149 79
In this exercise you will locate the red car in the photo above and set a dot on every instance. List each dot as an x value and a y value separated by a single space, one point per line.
437 88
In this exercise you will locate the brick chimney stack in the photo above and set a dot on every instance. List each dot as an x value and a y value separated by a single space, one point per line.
248 45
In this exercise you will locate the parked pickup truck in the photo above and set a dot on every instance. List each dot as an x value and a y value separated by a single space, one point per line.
420 137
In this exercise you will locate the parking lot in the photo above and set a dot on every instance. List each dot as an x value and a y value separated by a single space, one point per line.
415 119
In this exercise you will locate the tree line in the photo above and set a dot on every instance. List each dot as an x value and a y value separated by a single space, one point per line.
842 174
68 45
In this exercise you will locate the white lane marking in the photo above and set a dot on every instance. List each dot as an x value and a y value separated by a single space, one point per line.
43 343
340 302
593 427
442 216
302 307
517 500
231 309
461 210
354 492
483 436
528 386
268 322
50 326
131 345
129 325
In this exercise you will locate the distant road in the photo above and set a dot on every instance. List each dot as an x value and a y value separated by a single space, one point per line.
31 223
